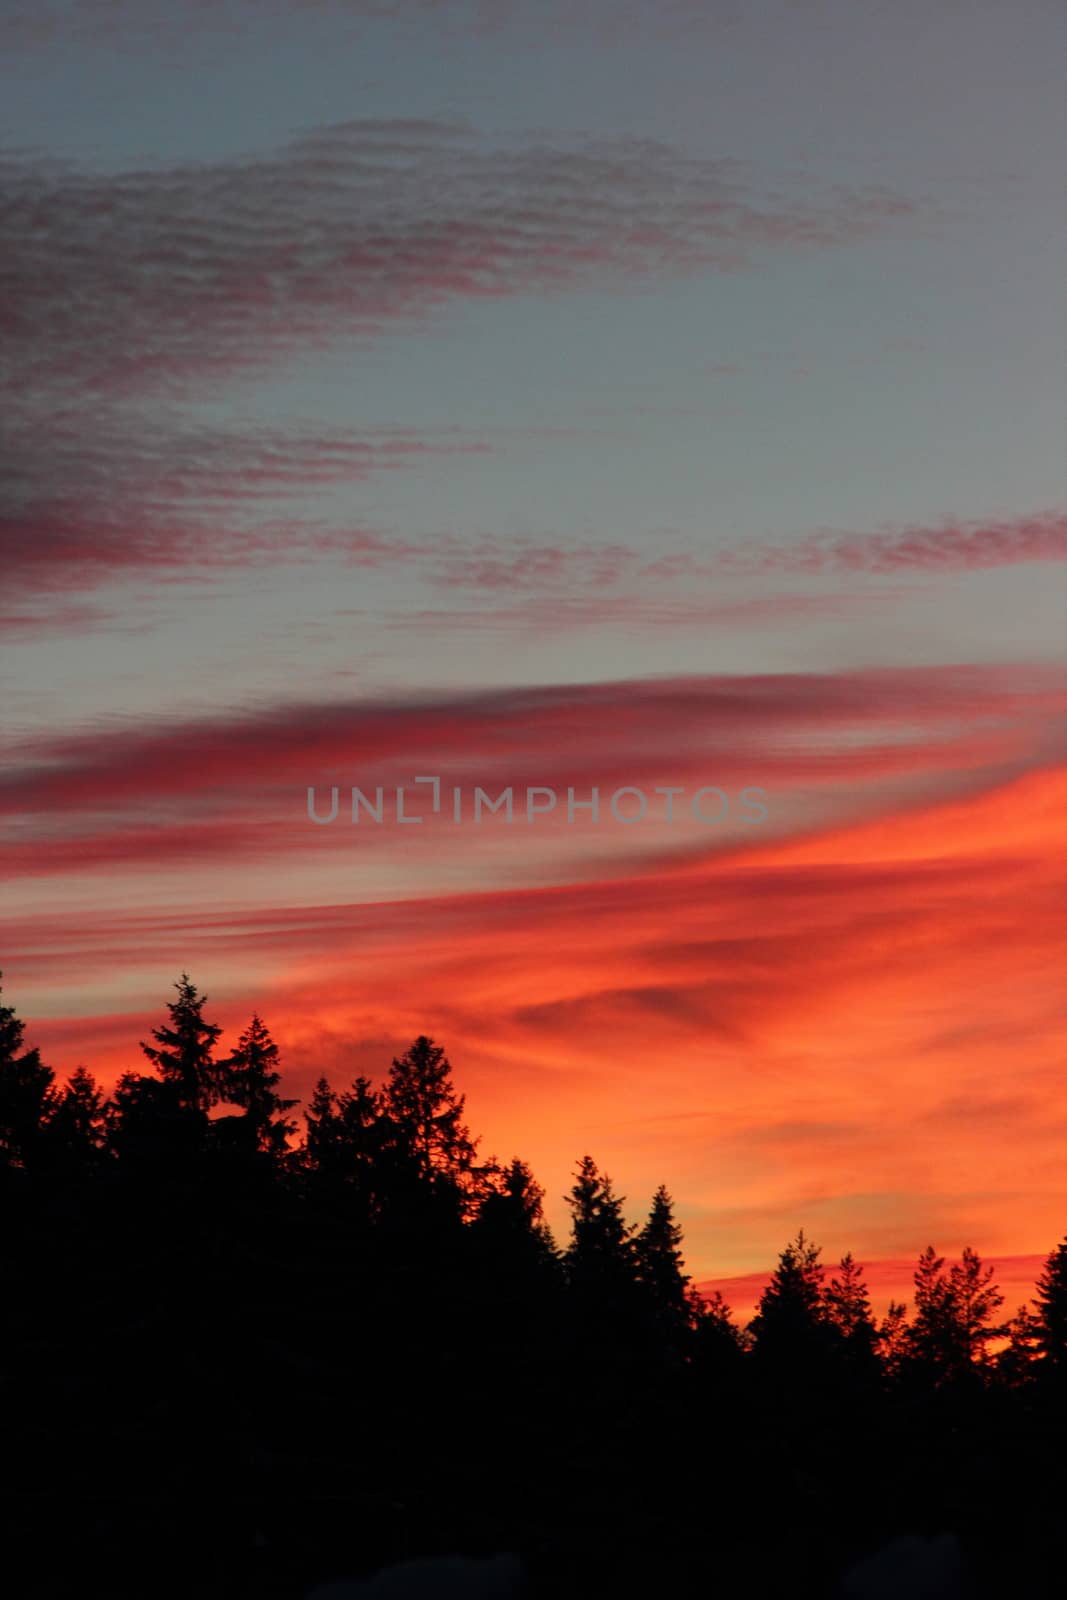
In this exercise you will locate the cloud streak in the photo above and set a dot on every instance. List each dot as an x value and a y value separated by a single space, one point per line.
215 268
234 787
105 497
794 1008
127 293
953 546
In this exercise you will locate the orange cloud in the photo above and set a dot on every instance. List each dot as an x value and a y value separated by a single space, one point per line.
858 1029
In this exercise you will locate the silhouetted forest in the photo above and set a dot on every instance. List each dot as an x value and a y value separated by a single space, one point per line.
245 1349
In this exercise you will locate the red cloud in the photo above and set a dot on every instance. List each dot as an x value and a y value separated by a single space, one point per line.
215 268
953 546
127 500
794 726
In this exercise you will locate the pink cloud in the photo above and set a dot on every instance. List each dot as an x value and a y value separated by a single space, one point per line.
128 498
572 724
356 225
233 268
952 546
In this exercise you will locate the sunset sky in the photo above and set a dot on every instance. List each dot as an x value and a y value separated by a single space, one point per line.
558 395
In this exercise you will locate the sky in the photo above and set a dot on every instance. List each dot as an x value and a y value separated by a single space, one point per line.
538 398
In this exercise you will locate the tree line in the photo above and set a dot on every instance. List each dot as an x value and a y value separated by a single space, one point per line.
273 1351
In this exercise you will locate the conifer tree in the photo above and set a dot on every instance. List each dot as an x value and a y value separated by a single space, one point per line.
660 1265
346 1145
791 1316
76 1128
1051 1300
1017 1363
931 1344
975 1301
423 1130
848 1303
512 1211
148 1125
25 1093
320 1128
600 1259
718 1336
601 1240
183 1054
251 1079
359 1110
848 1311
894 1339
954 1314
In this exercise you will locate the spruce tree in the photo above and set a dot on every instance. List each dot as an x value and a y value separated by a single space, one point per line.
251 1078
848 1310
931 1336
954 1314
339 1124
424 1134
610 1312
893 1340
512 1213
76 1127
660 1265
718 1338
602 1242
183 1054
1017 1363
791 1317
359 1112
975 1301
1051 1301
320 1129
848 1303
25 1093
148 1125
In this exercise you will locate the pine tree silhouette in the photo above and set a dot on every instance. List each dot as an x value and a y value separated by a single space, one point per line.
894 1340
76 1127
512 1212
25 1090
329 1358
975 1301
848 1303
848 1310
183 1054
424 1137
953 1323
601 1249
1017 1363
717 1336
321 1129
249 1078
661 1269
791 1314
1051 1302
931 1342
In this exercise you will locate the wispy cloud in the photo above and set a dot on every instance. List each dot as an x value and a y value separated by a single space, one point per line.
103 495
225 266
951 546
233 267
790 1005
234 786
